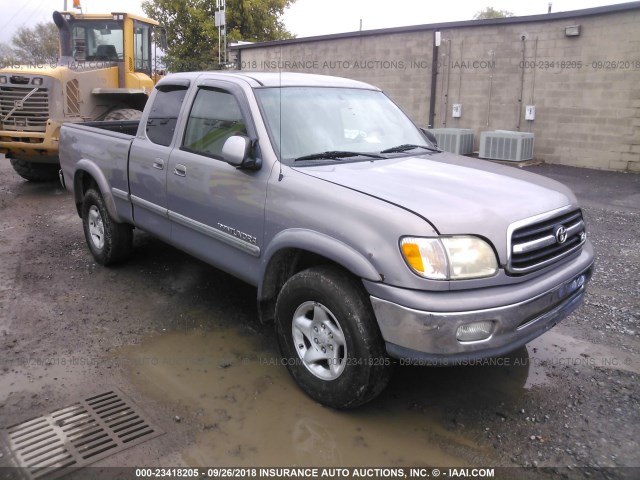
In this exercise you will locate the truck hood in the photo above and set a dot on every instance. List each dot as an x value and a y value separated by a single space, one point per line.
456 195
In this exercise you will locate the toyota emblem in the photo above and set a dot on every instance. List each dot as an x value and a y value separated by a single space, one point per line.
560 232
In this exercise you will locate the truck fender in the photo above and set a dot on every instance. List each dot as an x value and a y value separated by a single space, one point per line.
87 167
319 244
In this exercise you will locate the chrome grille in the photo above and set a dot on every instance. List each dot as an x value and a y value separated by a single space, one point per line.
543 242
29 115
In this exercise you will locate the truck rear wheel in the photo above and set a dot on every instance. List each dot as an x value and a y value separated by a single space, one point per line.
35 172
123 114
329 338
109 242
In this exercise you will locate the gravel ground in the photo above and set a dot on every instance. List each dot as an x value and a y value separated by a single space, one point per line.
182 340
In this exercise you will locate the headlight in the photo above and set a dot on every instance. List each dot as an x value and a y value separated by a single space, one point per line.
3 80
449 258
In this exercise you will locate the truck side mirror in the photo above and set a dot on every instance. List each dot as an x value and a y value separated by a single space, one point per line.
236 150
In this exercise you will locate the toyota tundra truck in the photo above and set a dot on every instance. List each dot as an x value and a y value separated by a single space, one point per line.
367 244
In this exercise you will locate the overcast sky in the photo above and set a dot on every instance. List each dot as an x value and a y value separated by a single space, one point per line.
313 17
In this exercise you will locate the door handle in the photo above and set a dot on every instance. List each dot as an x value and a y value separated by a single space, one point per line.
180 170
158 163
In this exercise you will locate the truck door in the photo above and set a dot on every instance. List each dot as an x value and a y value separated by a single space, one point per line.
149 159
217 210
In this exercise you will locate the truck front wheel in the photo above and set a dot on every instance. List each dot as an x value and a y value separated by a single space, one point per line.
109 242
329 338
35 172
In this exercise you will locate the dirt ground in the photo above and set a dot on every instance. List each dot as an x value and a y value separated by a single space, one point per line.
183 341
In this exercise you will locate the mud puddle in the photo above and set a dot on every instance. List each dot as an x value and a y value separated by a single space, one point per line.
230 384
249 412
556 349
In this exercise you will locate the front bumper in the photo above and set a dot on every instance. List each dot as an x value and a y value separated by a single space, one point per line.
36 146
425 337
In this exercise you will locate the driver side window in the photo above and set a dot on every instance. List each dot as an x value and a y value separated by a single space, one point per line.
214 117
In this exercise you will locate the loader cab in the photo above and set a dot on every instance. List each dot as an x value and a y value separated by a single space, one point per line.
97 41
103 40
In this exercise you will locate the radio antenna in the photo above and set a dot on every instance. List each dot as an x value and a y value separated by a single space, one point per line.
280 176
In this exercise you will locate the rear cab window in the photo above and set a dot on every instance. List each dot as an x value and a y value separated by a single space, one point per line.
163 116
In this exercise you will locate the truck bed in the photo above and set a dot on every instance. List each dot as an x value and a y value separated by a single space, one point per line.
128 127
104 147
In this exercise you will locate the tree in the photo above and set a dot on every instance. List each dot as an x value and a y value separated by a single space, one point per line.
192 36
490 12
38 44
7 57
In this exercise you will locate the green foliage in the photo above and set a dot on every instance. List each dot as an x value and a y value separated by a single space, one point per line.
38 44
490 12
257 20
193 37
7 57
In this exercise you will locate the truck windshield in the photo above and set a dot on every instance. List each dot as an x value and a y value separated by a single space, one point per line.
97 40
306 121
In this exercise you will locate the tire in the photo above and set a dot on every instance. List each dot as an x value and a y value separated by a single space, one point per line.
329 338
123 114
36 172
109 242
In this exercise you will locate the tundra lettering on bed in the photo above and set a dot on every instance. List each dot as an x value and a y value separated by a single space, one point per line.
365 241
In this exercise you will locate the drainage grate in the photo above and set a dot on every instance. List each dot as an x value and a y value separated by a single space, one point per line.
76 436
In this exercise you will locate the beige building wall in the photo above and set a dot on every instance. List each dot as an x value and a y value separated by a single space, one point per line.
585 88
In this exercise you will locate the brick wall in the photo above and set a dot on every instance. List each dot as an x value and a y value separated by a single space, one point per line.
586 89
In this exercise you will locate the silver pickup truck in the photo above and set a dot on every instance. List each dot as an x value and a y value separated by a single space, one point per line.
366 243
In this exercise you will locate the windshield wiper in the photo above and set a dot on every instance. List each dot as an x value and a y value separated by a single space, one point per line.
409 146
335 154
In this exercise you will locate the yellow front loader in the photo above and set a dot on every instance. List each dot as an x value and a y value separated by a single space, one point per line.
104 73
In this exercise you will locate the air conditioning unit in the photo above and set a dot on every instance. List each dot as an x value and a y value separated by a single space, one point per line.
454 140
506 145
